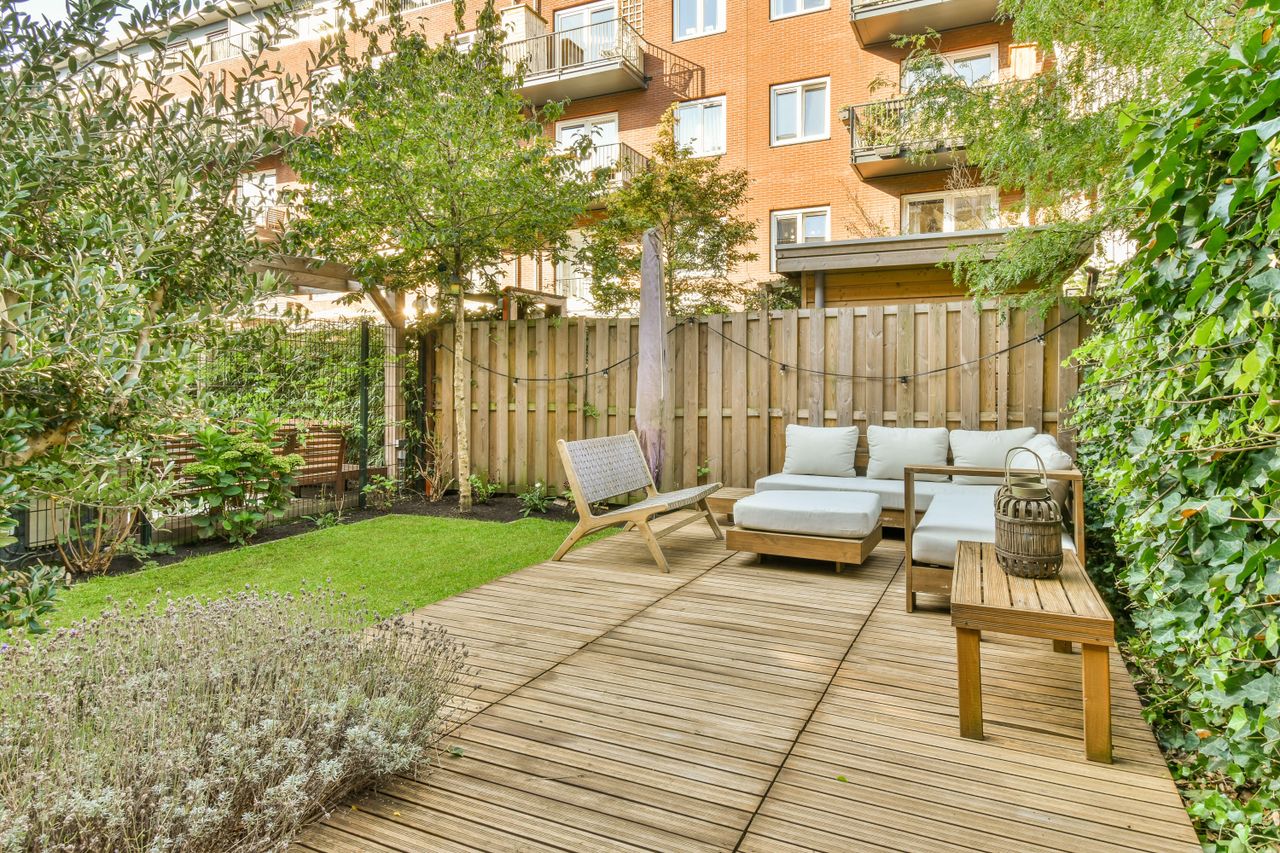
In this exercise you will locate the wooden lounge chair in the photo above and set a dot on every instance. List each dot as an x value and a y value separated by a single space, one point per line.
603 468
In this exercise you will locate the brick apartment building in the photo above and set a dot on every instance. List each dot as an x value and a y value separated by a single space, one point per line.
780 88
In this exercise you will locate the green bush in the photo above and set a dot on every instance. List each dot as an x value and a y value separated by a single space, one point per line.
27 594
1180 419
380 492
482 490
220 725
536 499
242 482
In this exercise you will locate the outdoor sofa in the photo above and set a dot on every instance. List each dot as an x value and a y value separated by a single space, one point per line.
939 485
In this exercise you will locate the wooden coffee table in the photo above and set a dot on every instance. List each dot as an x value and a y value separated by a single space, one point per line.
722 500
1066 610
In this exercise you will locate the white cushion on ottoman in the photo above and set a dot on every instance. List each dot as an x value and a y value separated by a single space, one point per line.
842 515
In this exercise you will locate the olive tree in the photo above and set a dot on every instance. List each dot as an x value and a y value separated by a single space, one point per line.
119 225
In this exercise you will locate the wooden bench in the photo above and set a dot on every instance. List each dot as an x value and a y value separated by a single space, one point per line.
1066 609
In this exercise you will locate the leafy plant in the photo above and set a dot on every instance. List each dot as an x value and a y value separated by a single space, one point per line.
381 492
325 520
704 470
590 411
27 594
535 499
697 207
212 725
123 233
241 478
482 490
1181 426
436 469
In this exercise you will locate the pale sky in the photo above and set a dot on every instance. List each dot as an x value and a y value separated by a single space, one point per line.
53 9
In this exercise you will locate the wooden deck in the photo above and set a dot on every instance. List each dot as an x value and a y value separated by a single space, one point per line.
736 706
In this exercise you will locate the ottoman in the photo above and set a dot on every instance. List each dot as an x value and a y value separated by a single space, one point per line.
842 527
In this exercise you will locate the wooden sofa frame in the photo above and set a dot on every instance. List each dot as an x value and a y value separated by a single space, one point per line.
922 577
624 470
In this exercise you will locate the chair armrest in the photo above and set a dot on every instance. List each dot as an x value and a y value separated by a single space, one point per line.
1072 475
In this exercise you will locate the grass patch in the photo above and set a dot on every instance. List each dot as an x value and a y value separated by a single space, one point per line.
393 563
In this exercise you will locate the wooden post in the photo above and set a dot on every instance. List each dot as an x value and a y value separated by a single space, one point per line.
650 393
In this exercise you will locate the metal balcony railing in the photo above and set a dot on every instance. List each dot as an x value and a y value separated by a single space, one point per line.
228 46
576 48
897 123
624 161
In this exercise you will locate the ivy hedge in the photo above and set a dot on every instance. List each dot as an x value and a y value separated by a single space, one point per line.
1179 419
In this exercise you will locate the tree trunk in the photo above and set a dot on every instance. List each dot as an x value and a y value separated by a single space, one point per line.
652 368
461 412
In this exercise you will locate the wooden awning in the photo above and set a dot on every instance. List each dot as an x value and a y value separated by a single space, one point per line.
910 250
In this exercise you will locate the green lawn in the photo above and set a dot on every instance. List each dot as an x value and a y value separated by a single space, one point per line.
393 562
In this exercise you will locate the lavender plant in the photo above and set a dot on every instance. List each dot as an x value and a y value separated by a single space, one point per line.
200 725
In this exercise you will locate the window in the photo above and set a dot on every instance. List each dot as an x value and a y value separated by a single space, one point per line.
602 130
790 8
572 280
258 194
807 225
175 57
586 34
700 126
798 112
976 67
464 41
695 18
262 93
955 210
322 80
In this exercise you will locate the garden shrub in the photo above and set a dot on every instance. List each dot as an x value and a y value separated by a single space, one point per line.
243 482
199 725
1180 421
27 594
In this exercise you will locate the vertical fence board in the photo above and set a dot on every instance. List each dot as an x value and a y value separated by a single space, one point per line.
689 424
673 349
970 380
1068 376
502 405
815 363
874 361
715 398
562 369
846 352
1032 374
939 351
481 449
737 396
906 361
541 391
759 372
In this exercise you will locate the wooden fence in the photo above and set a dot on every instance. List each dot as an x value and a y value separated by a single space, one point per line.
733 382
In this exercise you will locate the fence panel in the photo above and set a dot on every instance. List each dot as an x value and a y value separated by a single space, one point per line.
734 382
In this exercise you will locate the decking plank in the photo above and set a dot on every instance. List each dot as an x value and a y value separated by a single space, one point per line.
612 707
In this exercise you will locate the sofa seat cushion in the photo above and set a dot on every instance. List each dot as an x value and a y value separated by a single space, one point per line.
889 491
966 513
843 515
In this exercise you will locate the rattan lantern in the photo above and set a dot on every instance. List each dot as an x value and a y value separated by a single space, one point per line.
1028 523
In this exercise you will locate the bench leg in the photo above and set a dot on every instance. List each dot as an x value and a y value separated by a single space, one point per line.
1096 669
911 593
654 548
570 540
969 681
711 519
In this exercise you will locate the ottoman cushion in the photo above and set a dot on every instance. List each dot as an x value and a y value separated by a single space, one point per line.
842 515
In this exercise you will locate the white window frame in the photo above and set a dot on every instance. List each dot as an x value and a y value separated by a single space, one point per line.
799 214
722 14
262 203
948 198
464 40
950 56
724 113
774 16
799 86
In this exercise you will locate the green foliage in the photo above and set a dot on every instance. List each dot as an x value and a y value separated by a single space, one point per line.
28 594
536 499
381 492
482 490
694 203
325 520
1056 137
207 726
434 171
311 371
120 233
1180 421
241 479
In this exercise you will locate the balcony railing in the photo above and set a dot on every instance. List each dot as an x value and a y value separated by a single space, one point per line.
578 48
229 46
624 161
896 129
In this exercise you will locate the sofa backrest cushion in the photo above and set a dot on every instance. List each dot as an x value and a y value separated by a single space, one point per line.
985 449
892 449
825 451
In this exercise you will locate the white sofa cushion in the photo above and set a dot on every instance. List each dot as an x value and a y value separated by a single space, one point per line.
979 448
889 491
844 515
892 449
963 513
823 451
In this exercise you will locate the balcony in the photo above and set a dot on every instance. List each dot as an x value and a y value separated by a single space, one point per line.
879 21
598 59
885 141
230 46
